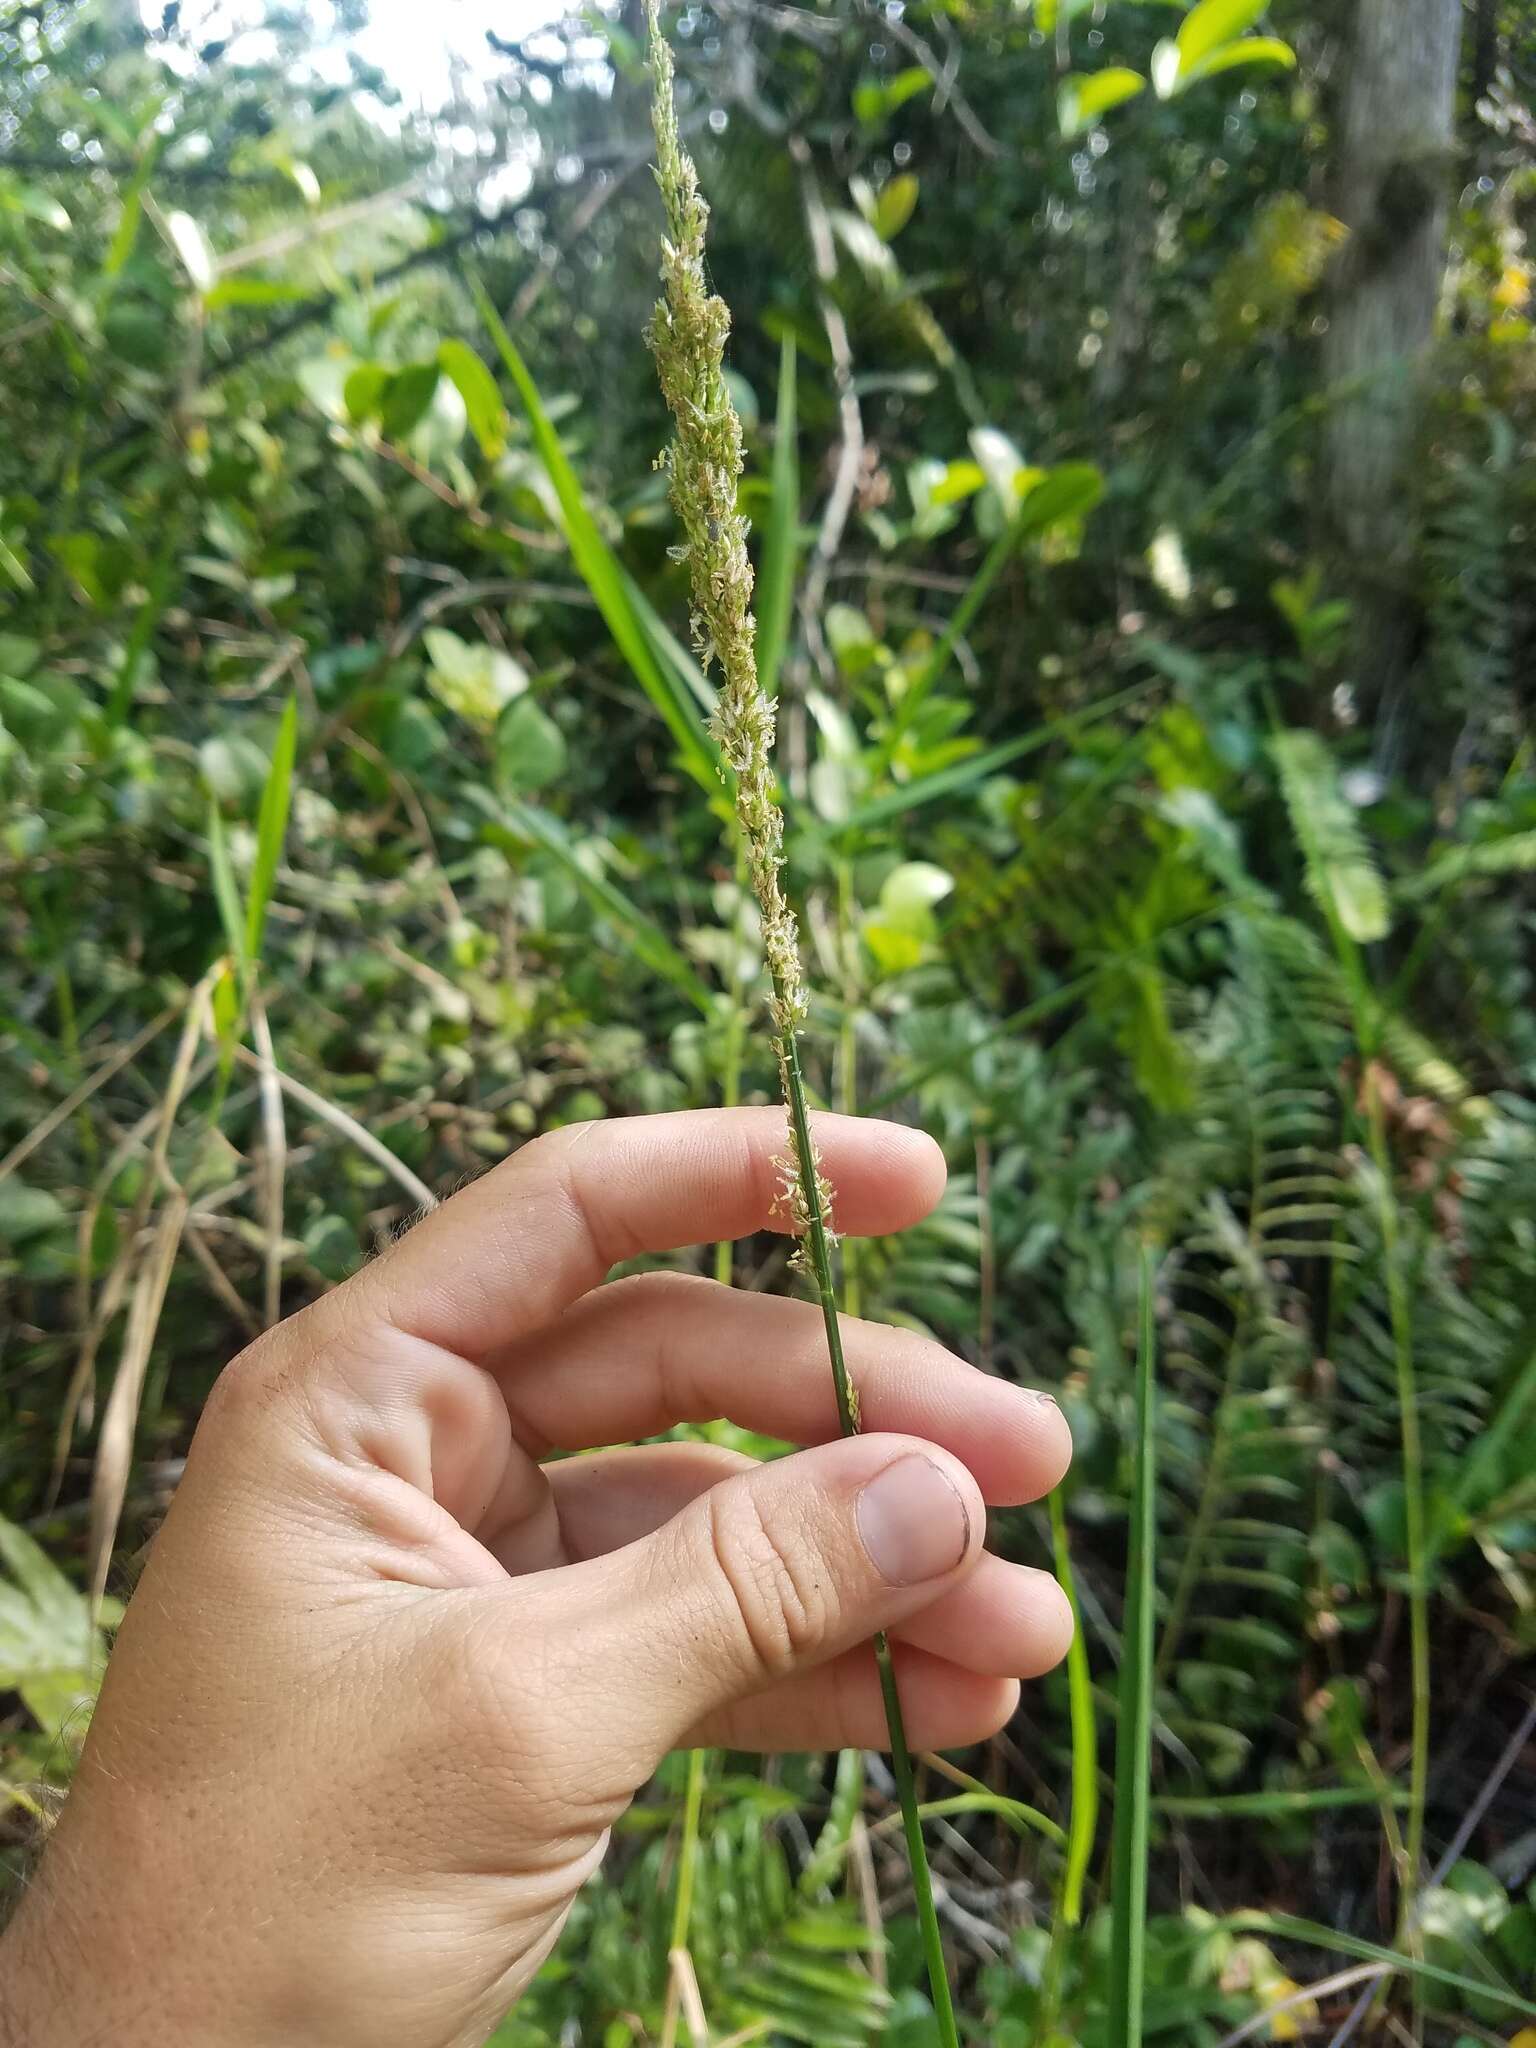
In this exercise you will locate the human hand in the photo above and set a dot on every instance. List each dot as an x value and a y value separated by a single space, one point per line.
388 1680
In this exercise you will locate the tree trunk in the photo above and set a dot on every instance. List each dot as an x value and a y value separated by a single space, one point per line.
1485 48
1394 167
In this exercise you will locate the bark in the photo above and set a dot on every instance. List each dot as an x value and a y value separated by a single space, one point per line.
1394 171
1485 48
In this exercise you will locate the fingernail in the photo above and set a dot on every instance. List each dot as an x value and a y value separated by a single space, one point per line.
913 1522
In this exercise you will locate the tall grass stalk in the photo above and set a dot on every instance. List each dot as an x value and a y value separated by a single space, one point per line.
687 337
1084 1818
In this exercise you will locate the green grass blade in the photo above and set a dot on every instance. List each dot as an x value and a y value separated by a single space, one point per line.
686 675
1270 1805
776 573
271 828
646 939
964 775
226 890
1133 1744
1286 1927
598 568
1085 1736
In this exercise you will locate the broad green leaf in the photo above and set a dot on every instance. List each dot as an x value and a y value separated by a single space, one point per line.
1246 50
474 681
1081 99
271 828
530 748
895 205
598 568
1070 491
876 99
363 391
27 1212
482 401
913 888
406 399
1212 23
776 576
35 205
191 246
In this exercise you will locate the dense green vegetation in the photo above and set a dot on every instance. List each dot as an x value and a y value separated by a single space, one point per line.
360 819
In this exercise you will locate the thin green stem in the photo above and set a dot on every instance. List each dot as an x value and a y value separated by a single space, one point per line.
819 1250
1083 1821
848 1064
688 1847
1401 1315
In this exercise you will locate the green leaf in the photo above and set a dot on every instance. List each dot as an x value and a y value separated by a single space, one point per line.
876 99
363 391
1513 855
964 775
530 748
27 1212
1247 50
1080 100
598 569
1068 492
482 401
1342 875
895 206
226 890
527 825
271 828
776 579
35 205
1212 23
406 398
191 246
1133 1739
475 682
253 291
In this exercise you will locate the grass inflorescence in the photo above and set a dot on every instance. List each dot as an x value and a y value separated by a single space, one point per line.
687 335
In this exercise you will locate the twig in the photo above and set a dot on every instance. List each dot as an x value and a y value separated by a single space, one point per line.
947 92
62 1112
273 1167
1341 1980
350 1128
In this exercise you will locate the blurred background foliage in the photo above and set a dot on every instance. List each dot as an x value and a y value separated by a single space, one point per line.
1140 402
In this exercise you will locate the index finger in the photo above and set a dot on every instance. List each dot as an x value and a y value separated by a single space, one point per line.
509 1253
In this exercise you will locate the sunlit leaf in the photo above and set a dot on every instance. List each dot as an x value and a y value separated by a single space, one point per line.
34 204
1081 99
406 399
191 245
876 99
482 401
1212 23
1247 50
895 205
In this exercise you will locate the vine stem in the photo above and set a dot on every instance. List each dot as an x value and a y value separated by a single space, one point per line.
819 1256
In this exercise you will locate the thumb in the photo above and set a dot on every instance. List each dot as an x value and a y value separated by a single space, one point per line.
777 1570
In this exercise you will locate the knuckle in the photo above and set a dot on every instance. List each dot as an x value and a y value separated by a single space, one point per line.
778 1589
